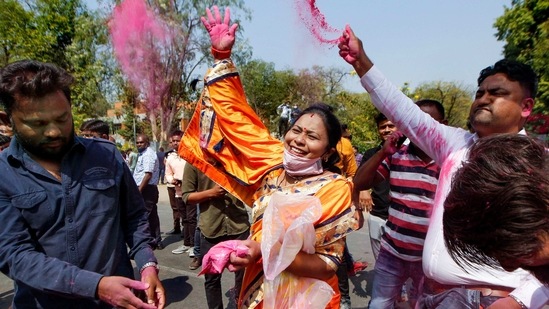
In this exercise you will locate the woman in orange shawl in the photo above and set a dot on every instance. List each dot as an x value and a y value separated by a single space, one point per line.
228 142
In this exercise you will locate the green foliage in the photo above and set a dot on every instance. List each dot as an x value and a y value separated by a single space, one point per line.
266 88
131 124
89 64
455 97
357 111
14 22
524 27
65 33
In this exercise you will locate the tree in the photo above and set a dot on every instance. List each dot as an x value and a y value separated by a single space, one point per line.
266 88
524 27
455 97
358 112
14 21
63 32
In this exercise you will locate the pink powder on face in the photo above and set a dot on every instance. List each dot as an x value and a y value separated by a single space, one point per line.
315 21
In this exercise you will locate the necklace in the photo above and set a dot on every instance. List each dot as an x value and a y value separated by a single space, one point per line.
295 179
284 177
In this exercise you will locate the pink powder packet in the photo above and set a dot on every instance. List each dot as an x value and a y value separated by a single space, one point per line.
217 259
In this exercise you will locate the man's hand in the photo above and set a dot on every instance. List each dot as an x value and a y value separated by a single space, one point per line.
352 51
221 34
390 146
155 293
365 200
217 191
117 291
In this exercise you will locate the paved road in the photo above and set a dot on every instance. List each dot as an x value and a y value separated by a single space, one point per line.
186 290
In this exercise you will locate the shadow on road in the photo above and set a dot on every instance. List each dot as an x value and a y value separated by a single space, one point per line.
177 289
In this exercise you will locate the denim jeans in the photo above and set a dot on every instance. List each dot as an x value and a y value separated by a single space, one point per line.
391 273
212 285
456 298
376 228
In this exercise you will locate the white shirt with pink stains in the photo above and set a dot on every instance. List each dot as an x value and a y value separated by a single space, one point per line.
449 147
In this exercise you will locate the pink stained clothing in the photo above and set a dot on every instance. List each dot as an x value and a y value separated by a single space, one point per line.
449 147
175 166
413 184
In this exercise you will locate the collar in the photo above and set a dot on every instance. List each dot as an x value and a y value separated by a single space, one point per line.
16 154
521 132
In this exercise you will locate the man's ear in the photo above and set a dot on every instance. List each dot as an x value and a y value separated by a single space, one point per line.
527 106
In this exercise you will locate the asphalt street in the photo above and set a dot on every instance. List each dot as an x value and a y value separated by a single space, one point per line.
185 289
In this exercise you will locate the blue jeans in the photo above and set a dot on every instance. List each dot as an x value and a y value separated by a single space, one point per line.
391 273
456 298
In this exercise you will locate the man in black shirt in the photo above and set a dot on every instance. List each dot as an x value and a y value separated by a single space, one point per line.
377 201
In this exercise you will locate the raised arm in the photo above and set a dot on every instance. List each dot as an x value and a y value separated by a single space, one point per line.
222 34
367 176
425 132
352 51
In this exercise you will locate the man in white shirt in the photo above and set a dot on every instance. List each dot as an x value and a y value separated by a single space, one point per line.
284 110
502 103
174 173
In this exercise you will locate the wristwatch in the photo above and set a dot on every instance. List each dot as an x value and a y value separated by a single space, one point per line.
149 264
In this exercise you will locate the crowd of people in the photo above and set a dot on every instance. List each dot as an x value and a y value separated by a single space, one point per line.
462 213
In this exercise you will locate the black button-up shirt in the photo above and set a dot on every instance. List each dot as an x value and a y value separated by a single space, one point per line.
58 238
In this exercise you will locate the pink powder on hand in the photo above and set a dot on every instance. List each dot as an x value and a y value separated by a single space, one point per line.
217 258
315 21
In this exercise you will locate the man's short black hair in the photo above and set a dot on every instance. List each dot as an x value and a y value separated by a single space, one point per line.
95 125
32 79
515 71
176 133
435 103
379 118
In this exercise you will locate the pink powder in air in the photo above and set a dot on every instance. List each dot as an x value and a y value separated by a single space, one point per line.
139 40
315 21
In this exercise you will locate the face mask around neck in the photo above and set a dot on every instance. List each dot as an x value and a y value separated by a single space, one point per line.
300 166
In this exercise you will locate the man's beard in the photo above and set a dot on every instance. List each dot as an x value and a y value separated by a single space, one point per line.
38 151
540 272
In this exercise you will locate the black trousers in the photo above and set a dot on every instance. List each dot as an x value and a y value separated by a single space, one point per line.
150 196
178 209
212 285
189 223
